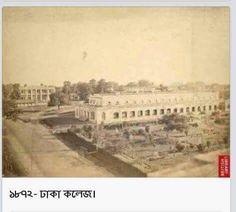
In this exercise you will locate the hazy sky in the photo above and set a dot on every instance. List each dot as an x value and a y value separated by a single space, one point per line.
164 45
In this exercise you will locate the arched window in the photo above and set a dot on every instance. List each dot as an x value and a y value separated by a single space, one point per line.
193 109
132 114
162 111
140 113
175 110
181 110
116 115
215 107
154 112
168 111
147 112
209 107
199 109
187 109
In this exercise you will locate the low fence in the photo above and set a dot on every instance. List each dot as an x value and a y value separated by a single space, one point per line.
109 161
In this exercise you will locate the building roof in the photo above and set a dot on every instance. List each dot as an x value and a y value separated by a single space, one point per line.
150 93
37 87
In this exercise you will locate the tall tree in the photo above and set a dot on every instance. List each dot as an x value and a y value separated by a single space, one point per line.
174 122
66 87
132 84
11 93
84 90
15 93
93 85
101 86
144 83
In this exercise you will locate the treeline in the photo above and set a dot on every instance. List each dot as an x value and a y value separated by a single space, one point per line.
84 89
10 93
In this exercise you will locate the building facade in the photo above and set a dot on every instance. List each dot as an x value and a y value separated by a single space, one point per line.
35 95
118 108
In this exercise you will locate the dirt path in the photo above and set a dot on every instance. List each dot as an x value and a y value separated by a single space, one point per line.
39 153
202 165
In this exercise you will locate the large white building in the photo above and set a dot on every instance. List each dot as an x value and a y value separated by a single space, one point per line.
31 95
118 108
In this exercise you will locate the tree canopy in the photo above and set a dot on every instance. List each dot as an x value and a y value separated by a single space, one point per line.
11 93
174 122
85 89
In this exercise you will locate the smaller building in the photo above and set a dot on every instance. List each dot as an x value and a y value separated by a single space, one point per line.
74 97
140 89
32 95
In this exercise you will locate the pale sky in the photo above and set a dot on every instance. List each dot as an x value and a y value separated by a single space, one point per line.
163 45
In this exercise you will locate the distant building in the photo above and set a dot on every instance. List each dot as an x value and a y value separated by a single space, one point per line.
144 89
138 89
74 97
35 95
117 108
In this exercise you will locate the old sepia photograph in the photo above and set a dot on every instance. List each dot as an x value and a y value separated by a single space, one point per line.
115 91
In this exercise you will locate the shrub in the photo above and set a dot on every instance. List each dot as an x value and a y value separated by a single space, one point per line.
147 129
179 147
141 132
200 147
